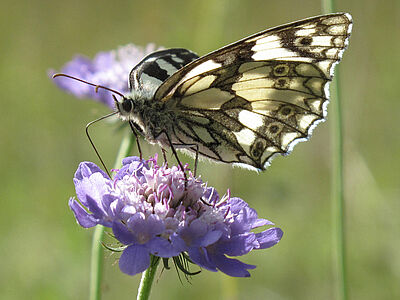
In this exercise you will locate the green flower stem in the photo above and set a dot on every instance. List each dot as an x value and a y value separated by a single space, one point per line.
96 263
147 279
338 213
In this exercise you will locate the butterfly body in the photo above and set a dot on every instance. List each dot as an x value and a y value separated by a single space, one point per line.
244 103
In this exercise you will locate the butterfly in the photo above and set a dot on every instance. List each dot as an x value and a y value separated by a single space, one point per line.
242 104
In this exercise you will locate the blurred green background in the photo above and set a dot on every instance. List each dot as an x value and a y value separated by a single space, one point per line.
45 255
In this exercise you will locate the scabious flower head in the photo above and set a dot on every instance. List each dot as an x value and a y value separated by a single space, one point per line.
110 69
153 212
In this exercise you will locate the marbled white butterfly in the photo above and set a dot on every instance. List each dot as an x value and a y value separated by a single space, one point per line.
244 103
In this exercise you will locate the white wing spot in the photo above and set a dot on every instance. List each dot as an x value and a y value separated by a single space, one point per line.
164 65
202 68
287 138
201 84
266 46
245 137
274 53
334 20
306 120
332 53
250 119
337 29
267 39
177 59
324 40
253 84
305 31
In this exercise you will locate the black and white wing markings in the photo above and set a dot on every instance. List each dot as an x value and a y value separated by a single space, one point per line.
155 68
258 97
320 40
264 113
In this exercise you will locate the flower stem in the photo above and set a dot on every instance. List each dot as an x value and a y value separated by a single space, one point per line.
96 263
338 213
147 279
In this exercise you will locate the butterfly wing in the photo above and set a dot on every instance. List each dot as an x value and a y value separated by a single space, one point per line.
258 97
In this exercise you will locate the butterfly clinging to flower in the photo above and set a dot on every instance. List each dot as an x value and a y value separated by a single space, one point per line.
244 103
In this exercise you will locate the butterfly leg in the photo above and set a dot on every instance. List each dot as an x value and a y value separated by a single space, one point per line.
137 139
177 158
164 153
196 158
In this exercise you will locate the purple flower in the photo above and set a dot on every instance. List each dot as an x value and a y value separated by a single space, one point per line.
110 69
152 213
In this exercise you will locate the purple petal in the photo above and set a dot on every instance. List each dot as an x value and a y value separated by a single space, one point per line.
232 267
85 169
261 222
83 218
269 237
110 204
131 165
200 257
178 243
135 259
162 248
151 212
210 238
239 245
94 187
211 195
95 208
122 233
245 216
143 228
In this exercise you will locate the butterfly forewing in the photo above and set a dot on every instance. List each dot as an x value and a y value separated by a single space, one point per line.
258 97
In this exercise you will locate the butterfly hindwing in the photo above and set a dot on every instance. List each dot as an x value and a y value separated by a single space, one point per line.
258 97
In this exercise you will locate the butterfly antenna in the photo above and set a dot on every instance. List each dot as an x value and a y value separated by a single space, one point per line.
97 86
91 141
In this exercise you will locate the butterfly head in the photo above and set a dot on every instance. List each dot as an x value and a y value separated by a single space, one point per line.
125 107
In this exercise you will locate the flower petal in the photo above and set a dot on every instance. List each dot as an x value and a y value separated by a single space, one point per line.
162 248
122 233
232 267
151 212
200 257
269 237
239 244
85 169
83 218
135 259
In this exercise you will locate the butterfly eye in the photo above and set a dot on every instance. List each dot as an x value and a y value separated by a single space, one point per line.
127 105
